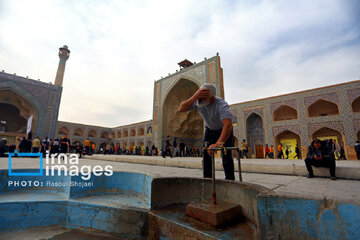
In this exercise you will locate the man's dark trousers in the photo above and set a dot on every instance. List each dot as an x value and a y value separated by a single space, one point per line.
211 137
328 163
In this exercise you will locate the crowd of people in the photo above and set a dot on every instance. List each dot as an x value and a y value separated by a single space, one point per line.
131 150
179 148
175 148
38 145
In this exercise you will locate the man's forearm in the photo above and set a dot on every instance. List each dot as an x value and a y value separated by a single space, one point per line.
226 132
185 105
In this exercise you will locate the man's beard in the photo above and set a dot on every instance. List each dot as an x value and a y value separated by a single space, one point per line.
203 103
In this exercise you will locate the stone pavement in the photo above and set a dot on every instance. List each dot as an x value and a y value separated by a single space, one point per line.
349 169
342 190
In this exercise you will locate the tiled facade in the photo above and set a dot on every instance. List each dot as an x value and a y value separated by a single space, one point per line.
44 98
136 134
346 122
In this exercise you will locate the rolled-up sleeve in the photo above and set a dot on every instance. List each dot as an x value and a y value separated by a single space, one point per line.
224 111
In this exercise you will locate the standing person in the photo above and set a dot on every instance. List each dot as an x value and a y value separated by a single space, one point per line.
280 154
320 155
116 149
271 155
336 149
167 149
182 148
45 145
142 149
29 143
87 146
267 151
193 151
197 152
176 147
36 145
218 126
93 148
64 144
3 143
342 153
287 152
187 150
153 152
55 148
107 149
244 149
23 145
357 149
297 151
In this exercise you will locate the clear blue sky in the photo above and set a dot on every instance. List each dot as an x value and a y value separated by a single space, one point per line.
118 48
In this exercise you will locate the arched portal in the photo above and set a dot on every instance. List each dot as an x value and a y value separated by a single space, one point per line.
11 120
323 108
185 125
79 132
328 133
132 133
63 131
255 135
149 131
141 132
125 133
355 105
284 112
104 135
92 134
14 114
118 134
111 134
289 140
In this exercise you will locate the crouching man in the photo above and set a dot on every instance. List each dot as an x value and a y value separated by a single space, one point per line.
320 155
218 126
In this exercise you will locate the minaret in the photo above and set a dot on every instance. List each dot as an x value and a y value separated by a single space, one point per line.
64 54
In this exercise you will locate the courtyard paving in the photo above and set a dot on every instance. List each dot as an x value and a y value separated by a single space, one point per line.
321 187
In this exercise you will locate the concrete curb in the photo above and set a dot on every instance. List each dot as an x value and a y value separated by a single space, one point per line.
345 169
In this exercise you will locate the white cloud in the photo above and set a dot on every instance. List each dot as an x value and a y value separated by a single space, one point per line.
118 48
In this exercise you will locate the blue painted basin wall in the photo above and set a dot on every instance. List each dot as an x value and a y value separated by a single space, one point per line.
298 218
45 206
119 183
5 187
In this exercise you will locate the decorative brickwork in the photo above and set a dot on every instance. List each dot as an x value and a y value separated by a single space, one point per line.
338 126
290 103
332 97
294 129
353 94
